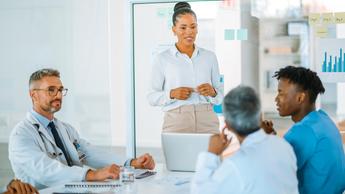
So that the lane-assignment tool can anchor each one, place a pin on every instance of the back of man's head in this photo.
(39, 74)
(305, 79)
(241, 108)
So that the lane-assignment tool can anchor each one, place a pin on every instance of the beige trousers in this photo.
(191, 119)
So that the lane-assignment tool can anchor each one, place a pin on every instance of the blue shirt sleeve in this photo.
(128, 162)
(303, 141)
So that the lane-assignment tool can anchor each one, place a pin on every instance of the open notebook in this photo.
(93, 187)
(110, 186)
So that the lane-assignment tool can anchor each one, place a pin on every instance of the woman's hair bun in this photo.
(181, 5)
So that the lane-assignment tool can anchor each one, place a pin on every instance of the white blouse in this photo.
(172, 69)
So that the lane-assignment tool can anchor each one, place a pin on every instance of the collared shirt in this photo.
(173, 69)
(263, 164)
(320, 154)
(43, 120)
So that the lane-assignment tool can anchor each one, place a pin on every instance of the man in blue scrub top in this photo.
(314, 136)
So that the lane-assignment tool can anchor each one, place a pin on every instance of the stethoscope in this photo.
(52, 154)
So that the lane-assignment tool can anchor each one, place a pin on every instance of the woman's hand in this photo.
(206, 90)
(181, 93)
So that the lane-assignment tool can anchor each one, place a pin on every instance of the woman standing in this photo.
(185, 79)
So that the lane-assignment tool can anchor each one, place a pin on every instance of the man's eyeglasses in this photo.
(52, 91)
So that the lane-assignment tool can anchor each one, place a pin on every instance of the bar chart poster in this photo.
(330, 59)
(333, 63)
(333, 58)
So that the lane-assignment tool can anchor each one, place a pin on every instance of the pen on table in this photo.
(182, 182)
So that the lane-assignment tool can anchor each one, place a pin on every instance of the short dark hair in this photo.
(182, 8)
(306, 79)
(242, 110)
(39, 74)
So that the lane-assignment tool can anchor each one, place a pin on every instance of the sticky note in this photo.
(229, 34)
(321, 31)
(327, 18)
(242, 34)
(314, 18)
(164, 12)
(339, 17)
(161, 12)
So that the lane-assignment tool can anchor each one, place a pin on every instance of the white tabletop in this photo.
(164, 181)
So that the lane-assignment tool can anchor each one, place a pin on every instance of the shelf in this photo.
(283, 55)
(332, 77)
(282, 37)
(277, 49)
(283, 19)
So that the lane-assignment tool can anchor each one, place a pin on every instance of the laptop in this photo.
(181, 150)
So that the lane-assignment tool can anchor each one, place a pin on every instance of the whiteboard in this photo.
(152, 34)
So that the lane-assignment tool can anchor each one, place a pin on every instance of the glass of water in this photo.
(127, 174)
(127, 180)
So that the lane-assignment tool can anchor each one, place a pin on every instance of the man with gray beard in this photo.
(45, 151)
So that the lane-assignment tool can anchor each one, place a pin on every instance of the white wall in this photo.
(119, 36)
(228, 52)
(152, 34)
(82, 39)
(30, 38)
(341, 86)
(238, 60)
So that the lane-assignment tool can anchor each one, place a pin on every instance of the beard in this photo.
(50, 108)
(53, 110)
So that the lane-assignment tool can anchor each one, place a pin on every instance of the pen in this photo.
(181, 182)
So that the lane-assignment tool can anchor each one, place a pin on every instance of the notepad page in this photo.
(93, 187)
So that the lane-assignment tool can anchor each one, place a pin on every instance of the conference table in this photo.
(167, 182)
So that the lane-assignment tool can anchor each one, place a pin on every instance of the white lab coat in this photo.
(37, 160)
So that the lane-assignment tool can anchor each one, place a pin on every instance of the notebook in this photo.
(93, 187)
(106, 187)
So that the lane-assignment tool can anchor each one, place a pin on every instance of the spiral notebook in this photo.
(93, 187)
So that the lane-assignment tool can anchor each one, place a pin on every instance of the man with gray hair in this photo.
(263, 164)
(45, 151)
